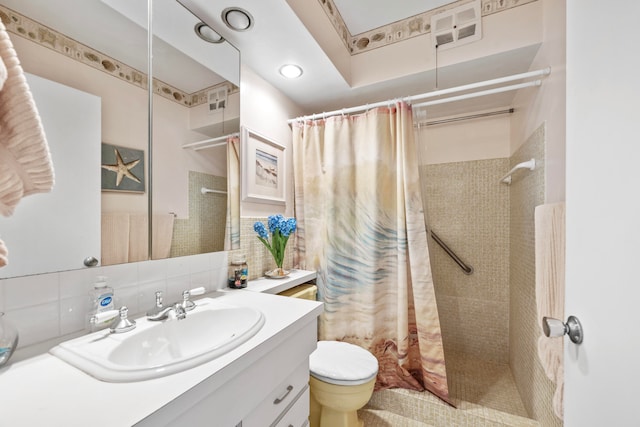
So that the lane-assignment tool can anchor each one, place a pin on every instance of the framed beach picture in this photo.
(263, 169)
(122, 169)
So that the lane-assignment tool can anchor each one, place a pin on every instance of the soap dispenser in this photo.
(101, 301)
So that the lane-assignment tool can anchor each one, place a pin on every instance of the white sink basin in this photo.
(156, 349)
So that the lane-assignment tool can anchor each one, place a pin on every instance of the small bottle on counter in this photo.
(238, 272)
(101, 300)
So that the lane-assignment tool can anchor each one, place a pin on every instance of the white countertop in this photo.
(44, 390)
(274, 286)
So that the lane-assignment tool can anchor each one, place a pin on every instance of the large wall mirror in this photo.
(90, 59)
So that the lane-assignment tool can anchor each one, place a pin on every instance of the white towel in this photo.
(115, 238)
(25, 161)
(162, 235)
(138, 237)
(3, 73)
(550, 269)
(4, 254)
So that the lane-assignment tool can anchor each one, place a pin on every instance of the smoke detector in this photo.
(456, 27)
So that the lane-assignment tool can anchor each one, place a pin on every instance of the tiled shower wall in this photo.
(491, 314)
(203, 230)
(48, 306)
(469, 210)
(527, 192)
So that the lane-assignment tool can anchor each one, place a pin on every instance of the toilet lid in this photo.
(342, 363)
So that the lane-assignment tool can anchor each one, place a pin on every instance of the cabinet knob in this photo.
(90, 261)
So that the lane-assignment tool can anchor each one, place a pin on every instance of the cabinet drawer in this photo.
(298, 415)
(280, 398)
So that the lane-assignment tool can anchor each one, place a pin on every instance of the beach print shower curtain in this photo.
(232, 227)
(361, 227)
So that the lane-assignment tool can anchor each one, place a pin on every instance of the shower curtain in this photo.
(361, 227)
(232, 227)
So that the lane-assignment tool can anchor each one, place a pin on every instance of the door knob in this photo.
(556, 328)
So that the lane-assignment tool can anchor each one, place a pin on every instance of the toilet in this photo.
(342, 379)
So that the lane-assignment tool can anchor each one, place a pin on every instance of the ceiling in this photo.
(282, 34)
(279, 36)
(364, 15)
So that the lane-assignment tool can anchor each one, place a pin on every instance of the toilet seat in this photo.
(341, 363)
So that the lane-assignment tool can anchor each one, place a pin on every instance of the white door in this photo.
(602, 375)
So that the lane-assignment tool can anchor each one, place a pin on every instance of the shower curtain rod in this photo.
(211, 142)
(471, 86)
(460, 118)
(205, 190)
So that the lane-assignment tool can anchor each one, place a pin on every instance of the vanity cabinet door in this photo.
(224, 399)
(280, 399)
(298, 415)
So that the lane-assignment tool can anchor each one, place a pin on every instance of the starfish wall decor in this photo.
(123, 168)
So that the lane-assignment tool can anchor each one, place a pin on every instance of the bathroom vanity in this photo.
(262, 382)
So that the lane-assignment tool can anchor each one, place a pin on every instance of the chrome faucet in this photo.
(179, 309)
(165, 312)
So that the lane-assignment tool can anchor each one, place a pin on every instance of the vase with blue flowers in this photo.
(281, 229)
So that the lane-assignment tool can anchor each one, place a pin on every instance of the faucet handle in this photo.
(158, 299)
(187, 304)
(104, 316)
(159, 305)
(123, 324)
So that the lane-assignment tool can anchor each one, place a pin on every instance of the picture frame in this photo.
(263, 169)
(122, 169)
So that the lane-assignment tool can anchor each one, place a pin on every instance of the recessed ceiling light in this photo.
(207, 34)
(237, 19)
(291, 71)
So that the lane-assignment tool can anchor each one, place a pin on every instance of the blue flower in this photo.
(274, 222)
(293, 224)
(280, 228)
(259, 228)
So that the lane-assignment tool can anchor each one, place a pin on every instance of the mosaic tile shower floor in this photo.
(484, 393)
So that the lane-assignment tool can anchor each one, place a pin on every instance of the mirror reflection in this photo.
(99, 54)
(191, 143)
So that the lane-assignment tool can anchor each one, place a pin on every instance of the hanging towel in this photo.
(115, 238)
(25, 161)
(3, 72)
(138, 237)
(3, 254)
(550, 268)
(162, 235)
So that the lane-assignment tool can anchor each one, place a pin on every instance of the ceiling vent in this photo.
(457, 26)
(217, 99)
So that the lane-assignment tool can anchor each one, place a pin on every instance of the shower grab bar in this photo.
(467, 269)
(529, 164)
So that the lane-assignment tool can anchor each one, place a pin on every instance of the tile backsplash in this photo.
(48, 306)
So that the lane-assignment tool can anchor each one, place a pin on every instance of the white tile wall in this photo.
(47, 306)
